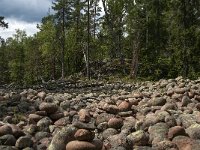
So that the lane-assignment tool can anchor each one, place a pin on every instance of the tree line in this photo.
(160, 37)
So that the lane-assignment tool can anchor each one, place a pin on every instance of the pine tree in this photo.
(184, 37)
(3, 23)
(63, 17)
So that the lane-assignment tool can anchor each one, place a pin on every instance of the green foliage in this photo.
(161, 37)
(3, 23)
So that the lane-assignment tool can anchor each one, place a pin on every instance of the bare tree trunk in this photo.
(147, 31)
(88, 41)
(53, 67)
(185, 57)
(63, 44)
(120, 33)
(95, 13)
(135, 61)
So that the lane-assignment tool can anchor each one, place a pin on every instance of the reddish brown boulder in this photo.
(138, 95)
(17, 132)
(183, 142)
(176, 131)
(5, 129)
(115, 123)
(33, 118)
(84, 135)
(50, 108)
(124, 106)
(41, 113)
(84, 115)
(62, 121)
(113, 109)
(56, 116)
(83, 145)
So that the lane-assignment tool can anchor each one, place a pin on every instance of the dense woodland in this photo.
(157, 38)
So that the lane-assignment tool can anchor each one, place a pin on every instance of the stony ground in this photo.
(161, 115)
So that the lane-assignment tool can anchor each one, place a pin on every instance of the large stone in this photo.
(183, 142)
(170, 121)
(139, 138)
(62, 137)
(16, 97)
(8, 119)
(169, 106)
(57, 116)
(17, 131)
(44, 124)
(41, 135)
(180, 90)
(83, 145)
(41, 94)
(84, 135)
(150, 120)
(5, 129)
(195, 144)
(62, 121)
(118, 140)
(137, 95)
(176, 131)
(33, 118)
(185, 101)
(50, 108)
(124, 106)
(115, 123)
(187, 120)
(113, 109)
(84, 115)
(31, 129)
(194, 131)
(165, 145)
(45, 142)
(103, 117)
(109, 132)
(81, 125)
(41, 113)
(129, 123)
(24, 142)
(102, 126)
(157, 101)
(158, 132)
(3, 147)
(8, 140)
(65, 105)
(49, 98)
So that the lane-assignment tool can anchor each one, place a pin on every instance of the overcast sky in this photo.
(23, 14)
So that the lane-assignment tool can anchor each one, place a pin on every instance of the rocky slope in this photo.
(161, 115)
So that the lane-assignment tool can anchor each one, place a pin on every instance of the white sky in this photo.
(23, 15)
(15, 21)
(14, 24)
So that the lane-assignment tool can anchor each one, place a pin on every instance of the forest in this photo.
(151, 40)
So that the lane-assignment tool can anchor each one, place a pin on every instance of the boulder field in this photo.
(162, 115)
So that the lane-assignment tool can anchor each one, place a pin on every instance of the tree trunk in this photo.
(135, 61)
(63, 44)
(111, 30)
(95, 13)
(88, 41)
(185, 57)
